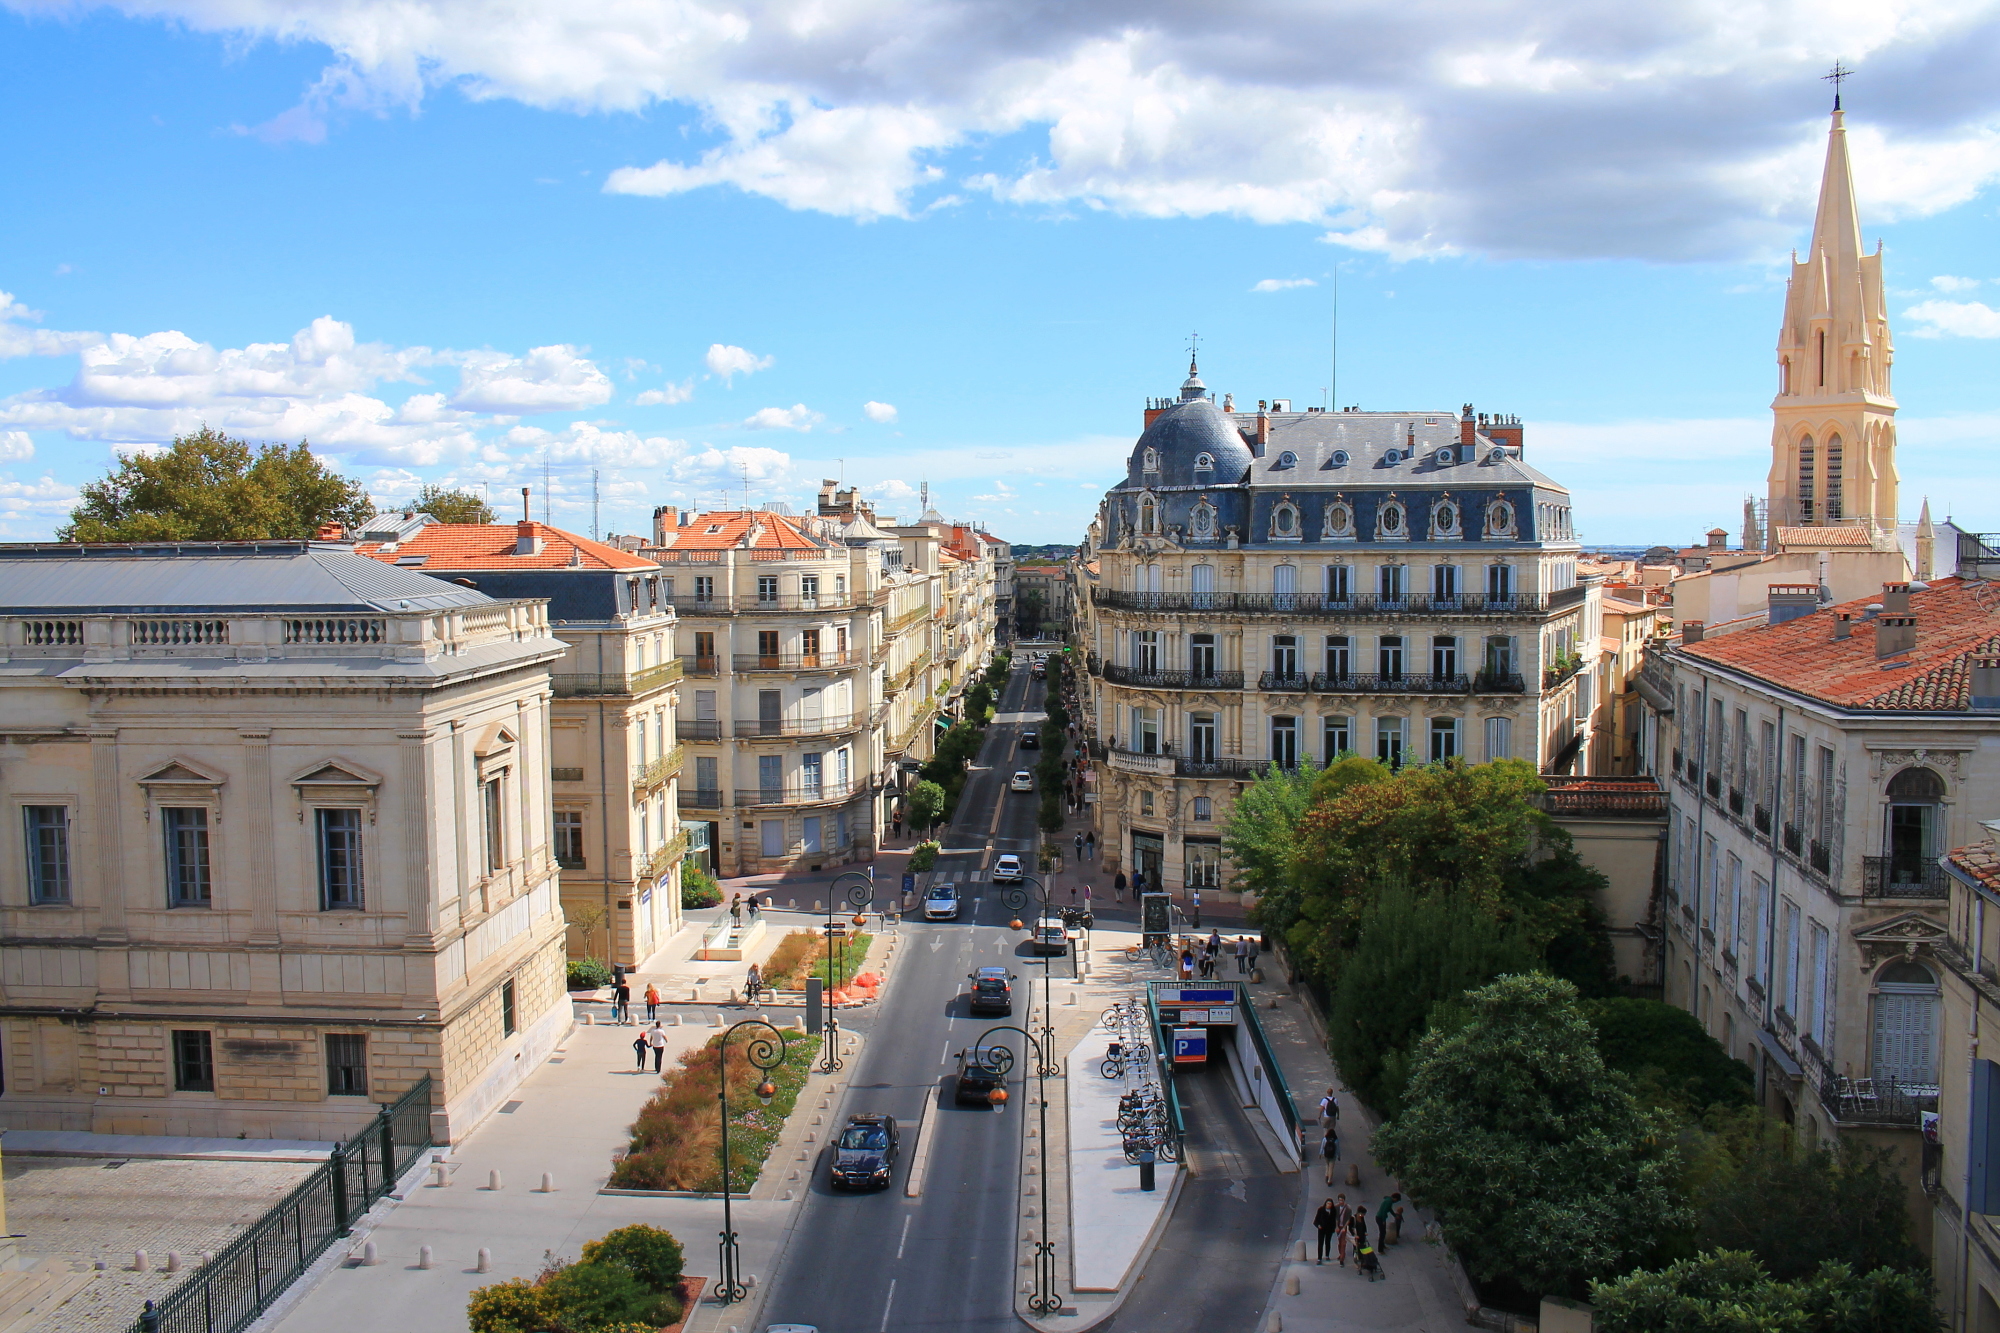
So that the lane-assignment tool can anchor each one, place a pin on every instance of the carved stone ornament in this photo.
(1886, 761)
(1905, 935)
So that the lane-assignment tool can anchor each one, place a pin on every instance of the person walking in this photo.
(752, 906)
(656, 1042)
(1357, 1228)
(1118, 886)
(1324, 1222)
(896, 825)
(621, 1003)
(1187, 964)
(639, 1053)
(1079, 846)
(736, 910)
(1242, 956)
(1090, 844)
(652, 1001)
(1329, 1110)
(1329, 1150)
(1253, 952)
(1343, 1217)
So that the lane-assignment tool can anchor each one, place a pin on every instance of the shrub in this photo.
(588, 973)
(519, 1306)
(698, 888)
(588, 1296)
(1667, 1049)
(924, 855)
(1724, 1291)
(651, 1254)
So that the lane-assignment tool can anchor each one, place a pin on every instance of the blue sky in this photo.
(457, 240)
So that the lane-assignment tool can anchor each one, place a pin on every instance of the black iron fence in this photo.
(242, 1280)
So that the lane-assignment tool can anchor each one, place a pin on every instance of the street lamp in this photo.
(765, 1053)
(1016, 897)
(859, 895)
(1045, 1299)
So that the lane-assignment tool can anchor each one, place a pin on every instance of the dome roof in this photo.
(1181, 435)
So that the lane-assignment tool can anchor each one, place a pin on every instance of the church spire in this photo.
(1833, 442)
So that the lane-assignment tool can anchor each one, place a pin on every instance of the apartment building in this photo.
(1266, 586)
(1628, 622)
(1820, 766)
(614, 748)
(1961, 1170)
(277, 841)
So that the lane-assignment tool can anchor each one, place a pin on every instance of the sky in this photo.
(704, 249)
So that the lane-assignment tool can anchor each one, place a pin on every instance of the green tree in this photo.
(1414, 952)
(1261, 839)
(1546, 1169)
(208, 487)
(650, 1253)
(978, 704)
(452, 505)
(924, 804)
(1666, 1050)
(1728, 1291)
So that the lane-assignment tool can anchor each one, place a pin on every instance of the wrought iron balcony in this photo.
(832, 661)
(1172, 680)
(1277, 604)
(575, 684)
(1903, 877)
(1295, 682)
(799, 793)
(1362, 682)
(647, 776)
(754, 727)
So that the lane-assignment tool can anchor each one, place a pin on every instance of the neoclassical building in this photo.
(1274, 585)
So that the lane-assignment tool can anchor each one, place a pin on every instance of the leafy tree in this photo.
(650, 1253)
(1546, 1169)
(1414, 952)
(1667, 1049)
(1797, 1207)
(208, 487)
(1261, 841)
(978, 703)
(924, 855)
(589, 1296)
(452, 505)
(698, 887)
(1728, 1291)
(925, 803)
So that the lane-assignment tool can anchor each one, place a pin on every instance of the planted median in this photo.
(677, 1139)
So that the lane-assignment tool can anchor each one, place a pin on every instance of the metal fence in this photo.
(243, 1279)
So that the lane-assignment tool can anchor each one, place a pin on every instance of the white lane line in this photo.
(886, 1304)
(906, 1236)
(945, 1059)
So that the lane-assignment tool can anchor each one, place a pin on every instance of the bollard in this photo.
(493, 1180)
(1299, 1251)
(367, 1254)
(140, 1263)
(750, 1281)
(589, 1019)
(1291, 1284)
(733, 998)
(485, 1264)
(817, 1121)
(789, 902)
(424, 1256)
(1277, 1324)
(715, 1020)
(173, 1261)
(548, 1183)
(438, 1175)
(694, 994)
(1354, 1173)
(763, 1018)
(677, 1019)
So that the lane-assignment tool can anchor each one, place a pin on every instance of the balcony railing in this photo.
(1866, 1101)
(1794, 841)
(1277, 604)
(753, 727)
(709, 665)
(1185, 766)
(1616, 797)
(647, 776)
(1903, 877)
(662, 859)
(1172, 680)
(1760, 819)
(746, 604)
(798, 793)
(576, 684)
(833, 661)
(1294, 682)
(701, 798)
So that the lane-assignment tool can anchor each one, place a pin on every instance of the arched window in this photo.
(1389, 521)
(1204, 810)
(1444, 518)
(1149, 516)
(1204, 462)
(1285, 460)
(1500, 519)
(1285, 521)
(1339, 458)
(1151, 462)
(1339, 520)
(1446, 456)
(1201, 523)
(1914, 825)
(1834, 509)
(1906, 1021)
(1807, 457)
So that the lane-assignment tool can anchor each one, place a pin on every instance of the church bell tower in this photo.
(1833, 436)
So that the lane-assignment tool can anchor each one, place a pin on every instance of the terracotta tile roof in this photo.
(1956, 622)
(725, 528)
(491, 546)
(1815, 536)
(1980, 862)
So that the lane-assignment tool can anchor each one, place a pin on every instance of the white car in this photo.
(1023, 781)
(1051, 936)
(1007, 870)
(941, 903)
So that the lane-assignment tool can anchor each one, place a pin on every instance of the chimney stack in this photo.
(1894, 635)
(1895, 598)
(1985, 692)
(1691, 632)
(525, 515)
(1263, 428)
(1789, 601)
(665, 520)
(1843, 626)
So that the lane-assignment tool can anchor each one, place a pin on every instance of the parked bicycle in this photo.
(1121, 1056)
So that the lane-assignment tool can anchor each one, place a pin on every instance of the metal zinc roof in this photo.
(148, 579)
(1368, 438)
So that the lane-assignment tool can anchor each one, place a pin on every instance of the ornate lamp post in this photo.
(1045, 1299)
(765, 1053)
(859, 895)
(1017, 897)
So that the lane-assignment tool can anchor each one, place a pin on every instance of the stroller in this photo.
(1369, 1263)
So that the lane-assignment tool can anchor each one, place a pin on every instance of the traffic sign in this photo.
(835, 931)
(1190, 1045)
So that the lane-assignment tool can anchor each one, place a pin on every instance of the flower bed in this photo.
(628, 1281)
(677, 1139)
(786, 968)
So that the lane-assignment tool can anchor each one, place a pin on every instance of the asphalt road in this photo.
(870, 1263)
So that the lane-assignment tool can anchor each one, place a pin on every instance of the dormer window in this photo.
(1149, 516)
(1285, 522)
(1339, 458)
(1204, 462)
(1285, 460)
(1445, 518)
(1389, 521)
(1339, 519)
(1500, 519)
(1202, 521)
(1446, 456)
(1151, 461)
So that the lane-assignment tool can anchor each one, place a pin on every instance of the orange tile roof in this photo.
(1956, 622)
(1817, 536)
(776, 532)
(1981, 862)
(491, 546)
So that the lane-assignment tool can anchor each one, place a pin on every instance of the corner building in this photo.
(1274, 585)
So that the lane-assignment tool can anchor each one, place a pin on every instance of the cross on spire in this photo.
(1194, 342)
(1836, 76)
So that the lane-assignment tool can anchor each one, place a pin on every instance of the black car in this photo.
(977, 1078)
(1030, 741)
(992, 991)
(865, 1156)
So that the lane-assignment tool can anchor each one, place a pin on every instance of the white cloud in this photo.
(1282, 284)
(44, 499)
(1947, 283)
(892, 492)
(1684, 129)
(667, 396)
(709, 467)
(18, 341)
(879, 412)
(796, 417)
(1953, 319)
(15, 446)
(547, 379)
(729, 362)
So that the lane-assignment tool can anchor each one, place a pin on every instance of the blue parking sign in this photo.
(1190, 1045)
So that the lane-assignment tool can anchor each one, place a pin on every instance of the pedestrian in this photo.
(1389, 1220)
(1187, 964)
(736, 909)
(1329, 1110)
(896, 825)
(1118, 886)
(1242, 956)
(1329, 1150)
(1343, 1217)
(1215, 941)
(753, 906)
(1357, 1227)
(1324, 1222)
(753, 984)
(656, 1042)
(1079, 846)
(1090, 844)
(652, 1001)
(639, 1052)
(621, 1003)
(1253, 953)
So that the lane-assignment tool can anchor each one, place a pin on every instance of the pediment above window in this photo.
(1907, 935)
(179, 773)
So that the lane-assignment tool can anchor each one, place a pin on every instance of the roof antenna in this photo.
(1194, 343)
(545, 491)
(746, 487)
(1333, 380)
(1836, 76)
(593, 504)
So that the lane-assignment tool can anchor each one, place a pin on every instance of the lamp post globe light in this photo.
(1044, 1299)
(859, 894)
(765, 1051)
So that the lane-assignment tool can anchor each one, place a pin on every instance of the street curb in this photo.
(920, 1161)
(1132, 1274)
